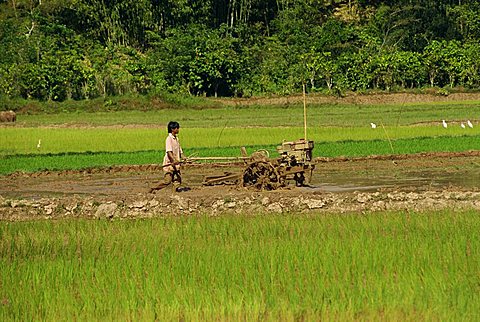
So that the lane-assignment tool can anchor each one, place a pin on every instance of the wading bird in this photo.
(470, 125)
(39, 143)
(444, 124)
(462, 125)
(373, 125)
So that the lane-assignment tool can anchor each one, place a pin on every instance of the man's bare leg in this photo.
(167, 180)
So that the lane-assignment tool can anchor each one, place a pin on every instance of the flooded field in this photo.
(337, 185)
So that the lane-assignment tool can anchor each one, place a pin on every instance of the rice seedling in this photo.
(394, 266)
(350, 148)
(105, 138)
(25, 140)
(319, 115)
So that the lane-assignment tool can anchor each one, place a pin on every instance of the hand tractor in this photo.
(263, 173)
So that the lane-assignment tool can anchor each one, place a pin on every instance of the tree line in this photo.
(81, 49)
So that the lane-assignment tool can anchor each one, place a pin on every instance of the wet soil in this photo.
(413, 182)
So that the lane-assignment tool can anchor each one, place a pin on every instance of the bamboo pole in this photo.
(218, 158)
(304, 112)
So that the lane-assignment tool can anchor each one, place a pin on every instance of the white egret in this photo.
(373, 125)
(462, 125)
(470, 125)
(39, 143)
(444, 124)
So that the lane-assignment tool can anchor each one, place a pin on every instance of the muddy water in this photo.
(406, 180)
(416, 174)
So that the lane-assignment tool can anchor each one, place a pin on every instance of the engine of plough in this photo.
(295, 163)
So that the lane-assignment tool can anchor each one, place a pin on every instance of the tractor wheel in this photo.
(261, 175)
(299, 179)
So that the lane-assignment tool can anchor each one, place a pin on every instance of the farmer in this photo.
(172, 159)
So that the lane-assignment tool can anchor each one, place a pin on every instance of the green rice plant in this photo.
(59, 140)
(400, 146)
(77, 161)
(318, 115)
(95, 138)
(377, 266)
(350, 148)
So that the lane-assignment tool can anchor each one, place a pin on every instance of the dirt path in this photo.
(419, 182)
(354, 98)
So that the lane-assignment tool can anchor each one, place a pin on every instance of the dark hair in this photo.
(172, 125)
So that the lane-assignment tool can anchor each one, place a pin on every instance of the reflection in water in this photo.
(326, 179)
(413, 180)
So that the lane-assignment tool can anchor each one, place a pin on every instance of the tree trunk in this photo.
(14, 5)
(329, 82)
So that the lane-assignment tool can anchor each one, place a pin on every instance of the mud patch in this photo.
(419, 182)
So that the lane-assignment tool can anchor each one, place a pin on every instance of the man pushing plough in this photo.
(172, 160)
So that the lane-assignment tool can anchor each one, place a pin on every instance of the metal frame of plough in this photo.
(264, 173)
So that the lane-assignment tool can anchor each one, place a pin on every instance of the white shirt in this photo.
(172, 145)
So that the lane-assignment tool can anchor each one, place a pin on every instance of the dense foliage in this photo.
(80, 49)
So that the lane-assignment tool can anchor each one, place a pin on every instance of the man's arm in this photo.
(171, 158)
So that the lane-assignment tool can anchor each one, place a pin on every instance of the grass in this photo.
(106, 104)
(59, 140)
(351, 148)
(84, 139)
(388, 266)
(327, 115)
